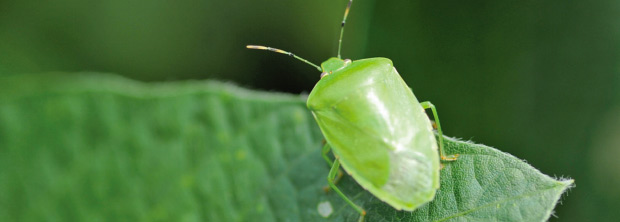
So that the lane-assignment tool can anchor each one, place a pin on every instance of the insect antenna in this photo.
(344, 20)
(283, 52)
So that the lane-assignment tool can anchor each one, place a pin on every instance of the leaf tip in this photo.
(568, 183)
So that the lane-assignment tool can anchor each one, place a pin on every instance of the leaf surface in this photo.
(93, 147)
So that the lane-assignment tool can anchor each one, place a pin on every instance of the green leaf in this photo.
(92, 147)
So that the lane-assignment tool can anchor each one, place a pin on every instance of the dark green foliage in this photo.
(89, 147)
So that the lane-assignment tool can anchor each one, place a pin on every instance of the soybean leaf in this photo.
(484, 184)
(94, 147)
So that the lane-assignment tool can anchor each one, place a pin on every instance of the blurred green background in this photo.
(537, 79)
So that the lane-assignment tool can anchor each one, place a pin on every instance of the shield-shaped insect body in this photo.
(378, 130)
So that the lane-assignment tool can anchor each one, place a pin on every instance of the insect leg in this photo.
(330, 179)
(325, 151)
(429, 105)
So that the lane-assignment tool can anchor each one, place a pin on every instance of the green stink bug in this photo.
(376, 128)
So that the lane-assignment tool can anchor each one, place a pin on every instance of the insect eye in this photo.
(324, 74)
